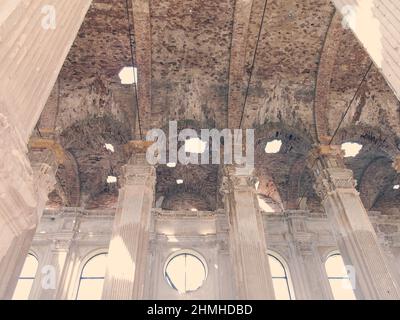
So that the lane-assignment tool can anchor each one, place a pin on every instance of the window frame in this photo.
(327, 257)
(83, 264)
(286, 270)
(178, 253)
(34, 255)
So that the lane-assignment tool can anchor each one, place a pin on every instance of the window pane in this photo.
(23, 289)
(338, 278)
(27, 277)
(92, 278)
(90, 289)
(96, 267)
(335, 266)
(280, 280)
(185, 272)
(281, 289)
(341, 289)
(277, 269)
(195, 273)
(175, 273)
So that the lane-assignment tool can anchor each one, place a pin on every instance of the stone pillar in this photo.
(354, 233)
(48, 278)
(12, 263)
(248, 247)
(308, 271)
(32, 53)
(36, 36)
(44, 168)
(128, 251)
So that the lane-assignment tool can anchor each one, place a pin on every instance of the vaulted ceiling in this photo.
(287, 68)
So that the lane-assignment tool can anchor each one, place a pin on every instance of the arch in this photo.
(296, 145)
(338, 277)
(91, 276)
(385, 143)
(376, 178)
(200, 180)
(26, 278)
(325, 71)
(281, 278)
(68, 182)
(295, 175)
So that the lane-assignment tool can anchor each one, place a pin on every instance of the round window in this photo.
(185, 271)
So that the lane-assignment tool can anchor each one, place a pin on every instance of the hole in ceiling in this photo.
(351, 149)
(171, 164)
(273, 146)
(111, 179)
(128, 75)
(195, 145)
(109, 147)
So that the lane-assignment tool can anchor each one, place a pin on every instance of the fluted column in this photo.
(32, 53)
(51, 268)
(35, 38)
(248, 247)
(354, 233)
(128, 252)
(308, 272)
(44, 169)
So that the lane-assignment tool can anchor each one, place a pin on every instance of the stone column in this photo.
(308, 272)
(354, 233)
(128, 251)
(50, 270)
(12, 263)
(248, 247)
(32, 53)
(36, 36)
(44, 169)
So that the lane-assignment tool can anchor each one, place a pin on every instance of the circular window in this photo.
(185, 271)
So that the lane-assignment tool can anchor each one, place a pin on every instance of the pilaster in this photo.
(354, 233)
(309, 276)
(248, 246)
(128, 251)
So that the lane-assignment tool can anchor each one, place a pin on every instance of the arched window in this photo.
(338, 278)
(25, 282)
(280, 279)
(92, 278)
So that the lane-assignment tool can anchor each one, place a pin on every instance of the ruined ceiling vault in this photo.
(282, 67)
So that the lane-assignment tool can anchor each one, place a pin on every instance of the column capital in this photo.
(37, 145)
(327, 164)
(137, 171)
(237, 178)
(326, 156)
(144, 175)
(135, 150)
(332, 179)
